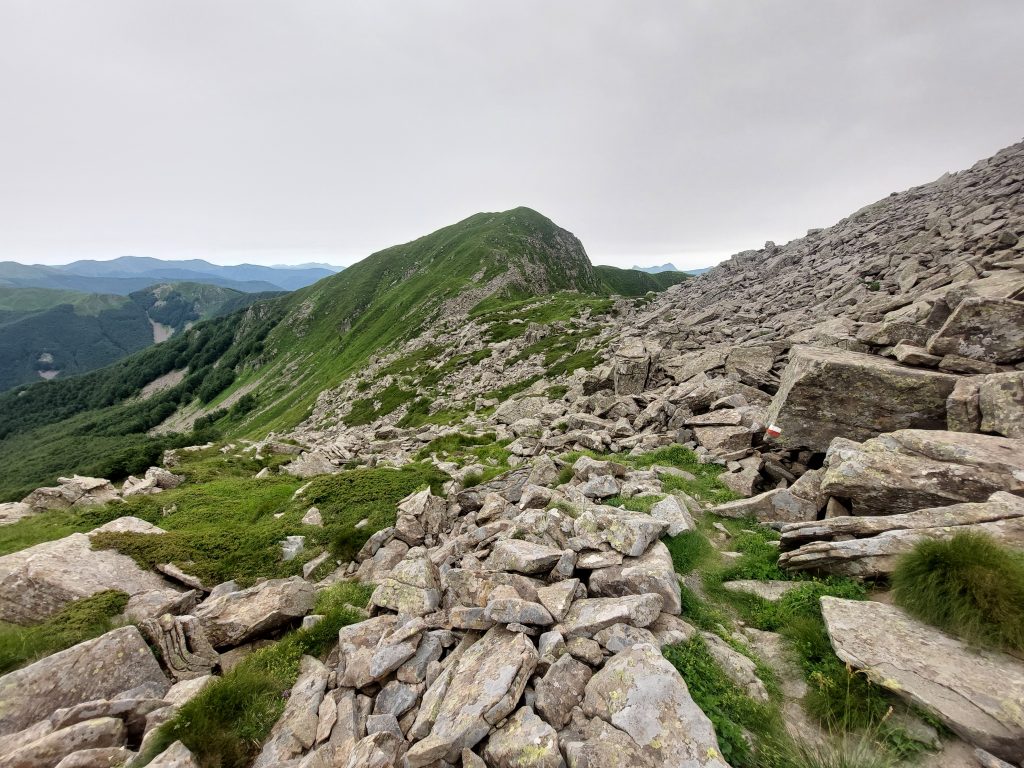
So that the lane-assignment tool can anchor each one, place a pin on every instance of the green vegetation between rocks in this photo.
(968, 585)
(227, 722)
(225, 524)
(76, 623)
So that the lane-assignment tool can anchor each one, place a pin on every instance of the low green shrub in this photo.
(968, 585)
(76, 623)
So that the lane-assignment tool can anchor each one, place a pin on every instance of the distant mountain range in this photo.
(128, 274)
(666, 267)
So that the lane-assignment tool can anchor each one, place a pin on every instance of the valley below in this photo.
(477, 502)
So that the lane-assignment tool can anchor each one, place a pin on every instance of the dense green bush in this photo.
(968, 585)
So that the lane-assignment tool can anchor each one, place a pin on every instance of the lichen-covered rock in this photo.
(522, 556)
(590, 615)
(828, 393)
(1001, 402)
(978, 694)
(411, 588)
(52, 748)
(988, 329)
(639, 692)
(561, 689)
(914, 469)
(96, 669)
(524, 741)
(247, 614)
(481, 690)
(651, 572)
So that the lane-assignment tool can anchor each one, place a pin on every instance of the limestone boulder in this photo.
(978, 694)
(631, 367)
(75, 491)
(512, 411)
(561, 689)
(48, 751)
(826, 393)
(639, 692)
(100, 668)
(238, 617)
(916, 469)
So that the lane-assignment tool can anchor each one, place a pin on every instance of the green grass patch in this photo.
(227, 722)
(732, 712)
(77, 622)
(504, 393)
(968, 585)
(636, 503)
(455, 444)
(368, 409)
(689, 550)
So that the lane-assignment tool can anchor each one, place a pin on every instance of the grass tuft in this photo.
(76, 623)
(968, 585)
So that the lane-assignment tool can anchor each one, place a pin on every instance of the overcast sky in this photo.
(655, 130)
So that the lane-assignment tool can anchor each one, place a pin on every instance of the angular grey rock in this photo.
(522, 556)
(412, 587)
(295, 731)
(737, 667)
(75, 491)
(184, 648)
(639, 692)
(175, 756)
(652, 572)
(774, 506)
(599, 487)
(674, 513)
(238, 617)
(378, 750)
(561, 689)
(512, 411)
(1001, 401)
(524, 741)
(827, 393)
(914, 469)
(978, 694)
(483, 688)
(96, 669)
(963, 406)
(631, 367)
(590, 615)
(98, 757)
(870, 547)
(772, 591)
(983, 329)
(54, 747)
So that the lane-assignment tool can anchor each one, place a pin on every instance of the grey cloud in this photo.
(655, 130)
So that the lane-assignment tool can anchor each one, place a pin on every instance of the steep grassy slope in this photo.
(46, 332)
(334, 327)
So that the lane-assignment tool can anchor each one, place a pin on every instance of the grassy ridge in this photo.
(635, 282)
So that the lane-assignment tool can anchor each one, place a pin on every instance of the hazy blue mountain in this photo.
(198, 270)
(17, 275)
(666, 267)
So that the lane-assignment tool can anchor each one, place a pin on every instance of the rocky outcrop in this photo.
(73, 491)
(978, 694)
(915, 469)
(869, 547)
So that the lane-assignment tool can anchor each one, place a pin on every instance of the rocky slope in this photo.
(859, 391)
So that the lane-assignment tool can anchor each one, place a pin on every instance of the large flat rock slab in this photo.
(826, 393)
(869, 547)
(979, 694)
(39, 581)
(96, 669)
(916, 469)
